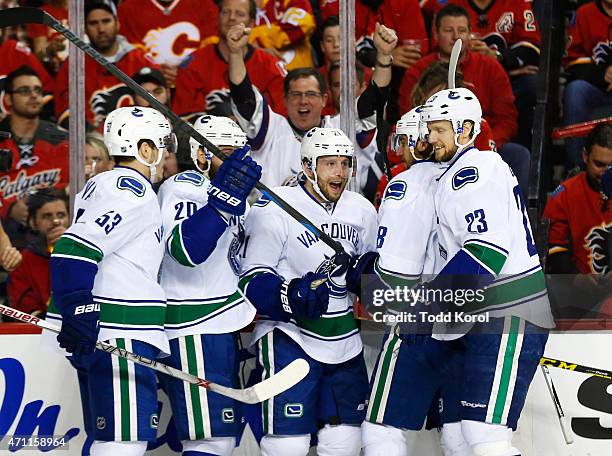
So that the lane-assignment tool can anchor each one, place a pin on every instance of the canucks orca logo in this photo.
(465, 176)
(233, 253)
(597, 244)
(333, 271)
(453, 95)
(395, 190)
(190, 177)
(132, 184)
(263, 201)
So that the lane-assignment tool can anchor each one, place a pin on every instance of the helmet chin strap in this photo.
(153, 177)
(315, 185)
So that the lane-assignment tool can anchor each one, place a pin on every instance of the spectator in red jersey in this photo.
(169, 30)
(103, 91)
(580, 217)
(202, 81)
(506, 30)
(487, 78)
(29, 286)
(15, 54)
(50, 46)
(284, 28)
(580, 214)
(10, 257)
(588, 63)
(37, 150)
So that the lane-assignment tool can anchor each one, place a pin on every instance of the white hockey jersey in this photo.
(407, 240)
(117, 224)
(481, 210)
(275, 145)
(204, 298)
(279, 244)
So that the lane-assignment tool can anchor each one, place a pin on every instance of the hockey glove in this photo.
(353, 266)
(235, 178)
(306, 297)
(80, 323)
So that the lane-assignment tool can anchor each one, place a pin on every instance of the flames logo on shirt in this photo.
(602, 53)
(597, 244)
(103, 101)
(172, 44)
(505, 24)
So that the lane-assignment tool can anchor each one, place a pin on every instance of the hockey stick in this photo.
(565, 428)
(260, 392)
(28, 15)
(452, 64)
(578, 129)
(576, 367)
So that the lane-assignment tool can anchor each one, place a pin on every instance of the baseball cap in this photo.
(107, 5)
(148, 74)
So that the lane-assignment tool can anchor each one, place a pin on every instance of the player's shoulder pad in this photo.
(396, 189)
(284, 192)
(358, 201)
(132, 184)
(475, 168)
(190, 178)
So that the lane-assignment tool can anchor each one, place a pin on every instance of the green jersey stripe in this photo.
(132, 315)
(125, 394)
(70, 247)
(329, 327)
(180, 313)
(394, 280)
(507, 368)
(192, 368)
(379, 387)
(492, 259)
(177, 249)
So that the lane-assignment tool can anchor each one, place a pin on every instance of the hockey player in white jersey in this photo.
(203, 236)
(302, 318)
(484, 234)
(412, 367)
(275, 139)
(104, 284)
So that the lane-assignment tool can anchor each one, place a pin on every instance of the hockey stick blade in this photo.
(24, 15)
(565, 426)
(276, 384)
(452, 64)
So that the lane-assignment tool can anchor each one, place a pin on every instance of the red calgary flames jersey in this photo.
(42, 163)
(590, 36)
(103, 91)
(168, 33)
(579, 221)
(203, 80)
(503, 24)
(404, 16)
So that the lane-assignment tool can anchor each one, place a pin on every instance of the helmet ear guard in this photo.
(457, 106)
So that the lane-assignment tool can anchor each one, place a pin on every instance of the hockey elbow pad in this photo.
(200, 233)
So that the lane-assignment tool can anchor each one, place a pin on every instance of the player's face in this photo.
(332, 176)
(330, 43)
(451, 29)
(232, 12)
(160, 93)
(26, 99)
(101, 28)
(597, 162)
(215, 161)
(49, 216)
(442, 138)
(305, 102)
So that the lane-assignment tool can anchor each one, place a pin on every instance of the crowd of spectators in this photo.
(283, 79)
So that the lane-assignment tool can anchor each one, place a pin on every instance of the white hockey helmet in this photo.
(409, 129)
(457, 106)
(221, 131)
(324, 142)
(125, 127)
